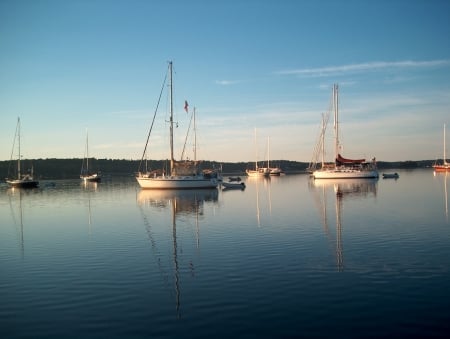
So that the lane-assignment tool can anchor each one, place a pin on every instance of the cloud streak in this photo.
(364, 67)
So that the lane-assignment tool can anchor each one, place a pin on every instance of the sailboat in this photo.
(445, 166)
(183, 174)
(21, 180)
(258, 171)
(85, 175)
(275, 171)
(344, 168)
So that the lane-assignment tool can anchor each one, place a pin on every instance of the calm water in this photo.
(287, 257)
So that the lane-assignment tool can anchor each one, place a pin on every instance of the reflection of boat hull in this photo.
(176, 182)
(188, 195)
(345, 174)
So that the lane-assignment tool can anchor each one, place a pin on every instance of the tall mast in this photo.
(87, 152)
(336, 120)
(171, 120)
(195, 139)
(18, 158)
(445, 159)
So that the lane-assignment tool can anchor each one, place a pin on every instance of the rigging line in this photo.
(153, 121)
(187, 135)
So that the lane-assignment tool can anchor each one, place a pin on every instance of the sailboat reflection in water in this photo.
(183, 206)
(342, 189)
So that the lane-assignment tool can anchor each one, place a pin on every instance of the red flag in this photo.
(186, 106)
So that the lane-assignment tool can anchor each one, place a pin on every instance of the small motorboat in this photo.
(390, 175)
(235, 185)
(234, 179)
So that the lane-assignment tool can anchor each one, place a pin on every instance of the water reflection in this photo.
(15, 203)
(179, 203)
(444, 176)
(342, 189)
(257, 182)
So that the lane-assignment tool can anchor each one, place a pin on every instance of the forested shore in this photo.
(70, 168)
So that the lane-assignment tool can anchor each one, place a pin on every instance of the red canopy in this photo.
(341, 160)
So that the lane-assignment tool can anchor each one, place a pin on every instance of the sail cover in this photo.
(343, 161)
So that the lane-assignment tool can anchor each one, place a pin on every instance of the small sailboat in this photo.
(344, 168)
(184, 174)
(445, 166)
(85, 174)
(258, 171)
(21, 180)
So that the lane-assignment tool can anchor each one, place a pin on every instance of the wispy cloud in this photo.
(227, 82)
(363, 67)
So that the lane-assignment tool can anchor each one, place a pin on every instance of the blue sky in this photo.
(267, 65)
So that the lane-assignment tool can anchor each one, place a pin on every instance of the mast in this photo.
(87, 152)
(18, 158)
(445, 159)
(171, 120)
(336, 121)
(195, 139)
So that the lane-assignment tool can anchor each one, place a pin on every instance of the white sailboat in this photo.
(85, 175)
(344, 168)
(183, 174)
(258, 171)
(21, 180)
(445, 166)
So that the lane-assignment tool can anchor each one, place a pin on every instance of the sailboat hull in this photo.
(19, 183)
(442, 168)
(176, 182)
(344, 174)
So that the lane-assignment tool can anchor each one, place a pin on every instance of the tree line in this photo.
(70, 168)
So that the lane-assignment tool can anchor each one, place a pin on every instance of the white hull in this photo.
(344, 174)
(176, 182)
(262, 172)
(91, 178)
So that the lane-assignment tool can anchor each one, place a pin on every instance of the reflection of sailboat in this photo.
(181, 203)
(21, 180)
(344, 168)
(343, 189)
(12, 192)
(445, 176)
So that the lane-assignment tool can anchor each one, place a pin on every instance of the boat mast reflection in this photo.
(342, 189)
(445, 176)
(180, 203)
(18, 222)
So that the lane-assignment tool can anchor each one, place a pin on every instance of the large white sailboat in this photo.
(344, 168)
(445, 166)
(21, 180)
(184, 174)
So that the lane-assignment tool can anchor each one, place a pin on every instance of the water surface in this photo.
(286, 257)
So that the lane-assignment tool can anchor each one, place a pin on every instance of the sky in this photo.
(259, 74)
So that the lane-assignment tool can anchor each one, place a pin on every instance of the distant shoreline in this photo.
(70, 168)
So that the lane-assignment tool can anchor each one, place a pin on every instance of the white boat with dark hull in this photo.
(21, 180)
(390, 175)
(233, 185)
(184, 174)
(344, 168)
